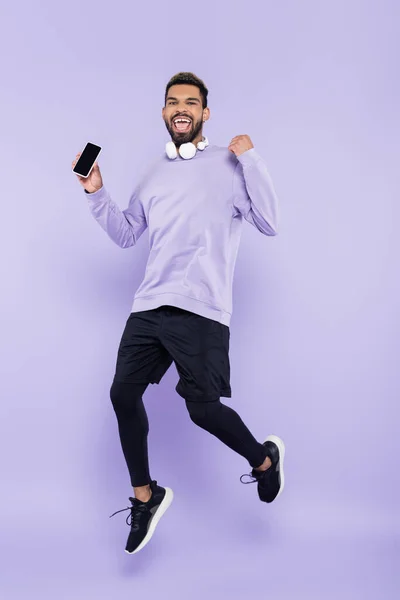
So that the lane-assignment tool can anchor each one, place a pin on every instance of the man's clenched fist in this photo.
(240, 144)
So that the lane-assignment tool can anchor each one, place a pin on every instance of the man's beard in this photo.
(184, 138)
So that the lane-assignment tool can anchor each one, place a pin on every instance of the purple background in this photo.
(315, 332)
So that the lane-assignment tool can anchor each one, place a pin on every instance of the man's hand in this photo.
(92, 183)
(240, 144)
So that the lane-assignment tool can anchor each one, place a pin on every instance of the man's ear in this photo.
(206, 114)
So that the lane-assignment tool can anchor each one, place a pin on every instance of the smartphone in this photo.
(87, 159)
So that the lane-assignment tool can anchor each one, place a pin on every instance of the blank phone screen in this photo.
(86, 160)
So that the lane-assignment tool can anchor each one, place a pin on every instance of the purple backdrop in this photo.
(315, 331)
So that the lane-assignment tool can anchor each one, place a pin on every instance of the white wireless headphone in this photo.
(185, 150)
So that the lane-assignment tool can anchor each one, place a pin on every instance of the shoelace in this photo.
(137, 510)
(252, 478)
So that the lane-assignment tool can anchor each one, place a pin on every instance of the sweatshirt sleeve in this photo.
(124, 227)
(254, 196)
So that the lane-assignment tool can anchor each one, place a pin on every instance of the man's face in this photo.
(183, 113)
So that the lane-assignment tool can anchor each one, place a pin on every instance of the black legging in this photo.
(215, 417)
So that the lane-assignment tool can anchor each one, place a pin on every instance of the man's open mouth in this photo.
(182, 124)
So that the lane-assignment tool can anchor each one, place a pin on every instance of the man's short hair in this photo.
(188, 79)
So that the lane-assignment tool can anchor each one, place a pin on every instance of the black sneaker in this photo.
(144, 516)
(271, 481)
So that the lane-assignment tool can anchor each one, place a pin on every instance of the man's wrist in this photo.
(249, 157)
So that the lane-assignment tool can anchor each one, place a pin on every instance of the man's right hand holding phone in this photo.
(94, 181)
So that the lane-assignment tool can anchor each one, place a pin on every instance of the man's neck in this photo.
(196, 140)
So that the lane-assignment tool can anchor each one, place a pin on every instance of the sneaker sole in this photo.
(169, 495)
(281, 447)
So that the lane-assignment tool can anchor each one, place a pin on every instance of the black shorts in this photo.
(199, 347)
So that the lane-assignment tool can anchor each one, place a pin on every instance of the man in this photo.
(193, 200)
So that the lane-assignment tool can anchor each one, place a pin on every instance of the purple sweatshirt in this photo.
(194, 210)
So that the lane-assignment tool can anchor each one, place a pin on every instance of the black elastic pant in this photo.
(215, 417)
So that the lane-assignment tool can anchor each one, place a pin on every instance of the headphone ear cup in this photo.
(187, 150)
(170, 150)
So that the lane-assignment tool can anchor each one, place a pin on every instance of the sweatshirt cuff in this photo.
(250, 157)
(96, 195)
